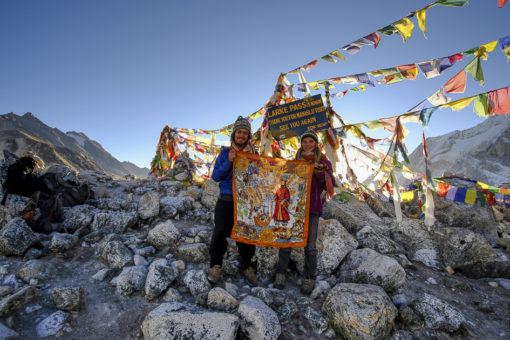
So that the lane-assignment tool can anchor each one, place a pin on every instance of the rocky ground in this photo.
(133, 265)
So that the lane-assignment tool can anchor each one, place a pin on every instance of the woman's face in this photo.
(308, 144)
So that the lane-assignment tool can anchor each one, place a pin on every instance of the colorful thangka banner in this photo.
(271, 200)
(293, 119)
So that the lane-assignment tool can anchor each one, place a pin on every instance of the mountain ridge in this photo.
(74, 149)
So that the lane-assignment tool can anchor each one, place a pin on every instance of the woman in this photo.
(322, 180)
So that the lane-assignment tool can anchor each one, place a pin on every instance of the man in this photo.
(224, 211)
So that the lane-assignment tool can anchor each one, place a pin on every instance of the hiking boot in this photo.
(249, 274)
(279, 281)
(215, 274)
(308, 286)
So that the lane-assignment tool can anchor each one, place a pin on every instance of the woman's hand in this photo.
(231, 154)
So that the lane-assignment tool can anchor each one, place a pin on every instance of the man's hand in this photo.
(231, 154)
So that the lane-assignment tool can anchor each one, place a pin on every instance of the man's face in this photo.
(241, 136)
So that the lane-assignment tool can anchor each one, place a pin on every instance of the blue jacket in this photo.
(222, 172)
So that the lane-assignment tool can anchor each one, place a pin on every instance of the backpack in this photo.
(71, 193)
(42, 210)
(18, 178)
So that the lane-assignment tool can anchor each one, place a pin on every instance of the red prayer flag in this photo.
(404, 68)
(374, 37)
(455, 57)
(442, 189)
(501, 3)
(499, 101)
(457, 84)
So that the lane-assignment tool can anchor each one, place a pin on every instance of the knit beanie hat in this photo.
(311, 134)
(241, 123)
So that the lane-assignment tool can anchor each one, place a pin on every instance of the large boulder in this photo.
(258, 321)
(52, 325)
(10, 303)
(159, 278)
(163, 235)
(359, 311)
(334, 242)
(368, 266)
(116, 222)
(148, 206)
(78, 217)
(210, 194)
(218, 298)
(353, 215)
(473, 217)
(197, 283)
(175, 320)
(377, 238)
(417, 241)
(16, 237)
(112, 251)
(61, 242)
(470, 253)
(438, 314)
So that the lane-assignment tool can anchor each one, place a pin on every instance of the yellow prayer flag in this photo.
(470, 197)
(459, 104)
(376, 74)
(354, 129)
(313, 85)
(481, 185)
(338, 55)
(489, 47)
(407, 196)
(421, 14)
(405, 28)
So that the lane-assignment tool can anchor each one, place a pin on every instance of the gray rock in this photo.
(218, 298)
(148, 206)
(287, 311)
(160, 276)
(315, 320)
(174, 320)
(470, 253)
(267, 258)
(140, 260)
(36, 269)
(131, 280)
(438, 314)
(52, 324)
(7, 333)
(258, 321)
(181, 204)
(263, 294)
(194, 253)
(353, 215)
(172, 188)
(62, 242)
(12, 302)
(145, 251)
(377, 240)
(33, 254)
(418, 242)
(112, 251)
(231, 289)
(368, 266)
(16, 237)
(505, 283)
(172, 295)
(359, 311)
(210, 194)
(193, 192)
(163, 235)
(78, 217)
(320, 288)
(116, 222)
(102, 274)
(474, 217)
(197, 283)
(68, 298)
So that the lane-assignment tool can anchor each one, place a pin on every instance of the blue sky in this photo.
(120, 70)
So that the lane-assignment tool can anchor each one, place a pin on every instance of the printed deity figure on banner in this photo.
(271, 200)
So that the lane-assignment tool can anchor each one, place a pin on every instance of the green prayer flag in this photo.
(475, 69)
(480, 105)
(373, 124)
(481, 198)
(388, 30)
(329, 58)
(471, 51)
(397, 77)
(451, 3)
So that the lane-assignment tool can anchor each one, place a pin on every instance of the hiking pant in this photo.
(223, 223)
(310, 270)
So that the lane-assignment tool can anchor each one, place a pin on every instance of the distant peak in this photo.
(29, 115)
